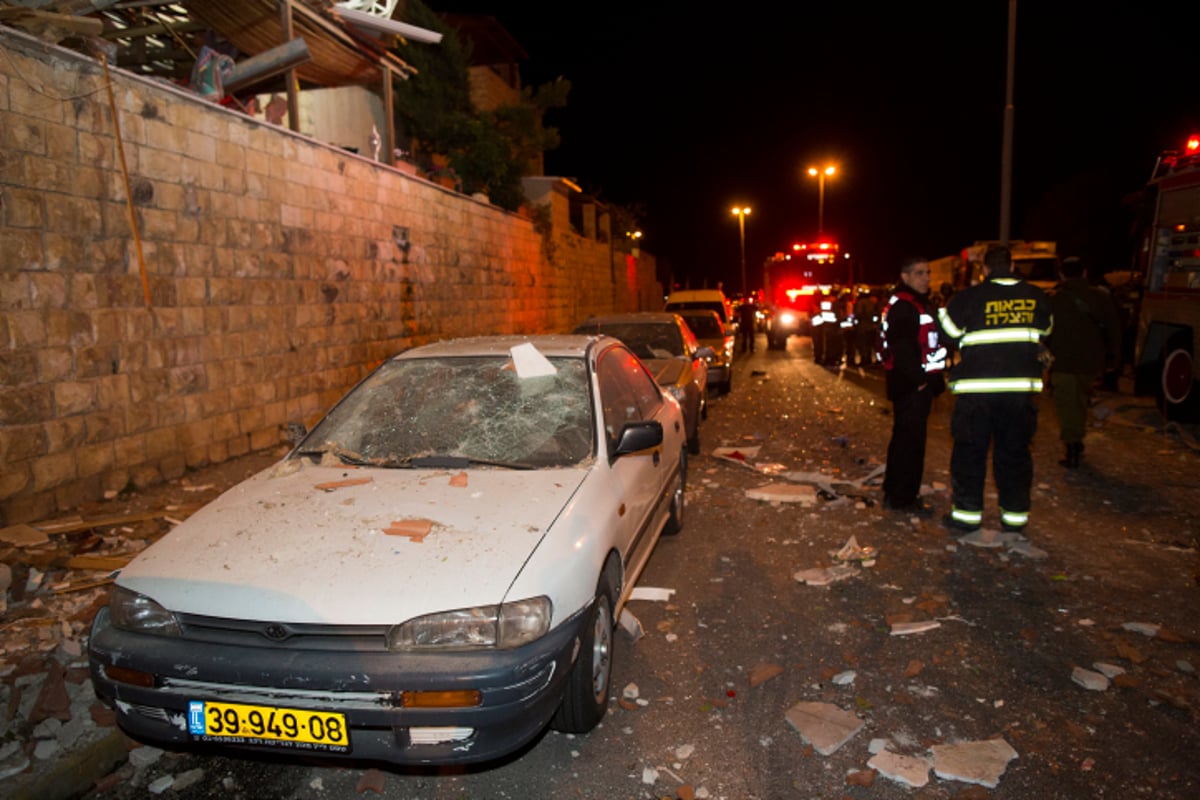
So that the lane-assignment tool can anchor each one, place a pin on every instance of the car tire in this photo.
(1178, 392)
(678, 499)
(693, 442)
(585, 699)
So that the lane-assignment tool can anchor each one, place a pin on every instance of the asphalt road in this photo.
(1118, 541)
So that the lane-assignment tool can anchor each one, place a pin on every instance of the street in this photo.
(700, 702)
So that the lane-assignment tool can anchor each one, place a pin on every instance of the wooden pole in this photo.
(133, 223)
(293, 100)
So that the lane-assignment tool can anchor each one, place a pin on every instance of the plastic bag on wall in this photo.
(209, 73)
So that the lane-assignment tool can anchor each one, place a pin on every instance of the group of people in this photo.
(1005, 335)
(846, 327)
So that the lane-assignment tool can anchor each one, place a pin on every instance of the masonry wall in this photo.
(280, 271)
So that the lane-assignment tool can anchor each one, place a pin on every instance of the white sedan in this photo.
(431, 576)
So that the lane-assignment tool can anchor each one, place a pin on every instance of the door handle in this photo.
(657, 457)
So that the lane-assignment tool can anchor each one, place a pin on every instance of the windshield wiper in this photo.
(344, 455)
(447, 461)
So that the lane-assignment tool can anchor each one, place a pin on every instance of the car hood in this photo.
(667, 371)
(307, 544)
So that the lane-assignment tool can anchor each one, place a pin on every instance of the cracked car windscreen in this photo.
(470, 407)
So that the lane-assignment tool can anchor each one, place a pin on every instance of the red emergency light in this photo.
(1193, 145)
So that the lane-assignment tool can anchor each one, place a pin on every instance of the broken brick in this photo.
(52, 702)
(371, 781)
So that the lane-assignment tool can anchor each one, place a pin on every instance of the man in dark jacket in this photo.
(913, 361)
(999, 325)
(1086, 338)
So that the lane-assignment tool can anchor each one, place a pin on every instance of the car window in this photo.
(627, 392)
(474, 407)
(687, 305)
(705, 326)
(645, 339)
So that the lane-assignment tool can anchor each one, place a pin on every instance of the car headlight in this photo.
(787, 319)
(504, 626)
(137, 613)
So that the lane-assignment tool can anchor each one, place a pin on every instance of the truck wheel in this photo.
(1178, 394)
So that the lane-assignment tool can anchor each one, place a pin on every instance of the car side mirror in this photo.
(705, 352)
(639, 436)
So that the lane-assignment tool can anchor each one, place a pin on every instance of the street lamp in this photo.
(819, 174)
(740, 212)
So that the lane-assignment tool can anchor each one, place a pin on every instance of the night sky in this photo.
(684, 110)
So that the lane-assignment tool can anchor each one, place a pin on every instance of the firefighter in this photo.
(846, 325)
(824, 329)
(866, 317)
(913, 363)
(999, 325)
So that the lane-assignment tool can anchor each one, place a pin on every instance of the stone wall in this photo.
(280, 270)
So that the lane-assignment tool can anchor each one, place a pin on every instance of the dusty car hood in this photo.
(277, 547)
(666, 371)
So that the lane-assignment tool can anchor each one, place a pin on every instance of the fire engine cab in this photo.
(1168, 335)
(793, 284)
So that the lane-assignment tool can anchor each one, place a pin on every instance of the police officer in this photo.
(999, 325)
(913, 363)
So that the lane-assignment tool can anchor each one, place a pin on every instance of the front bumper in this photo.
(521, 689)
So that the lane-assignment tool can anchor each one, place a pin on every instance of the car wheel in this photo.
(585, 699)
(693, 442)
(1177, 390)
(675, 520)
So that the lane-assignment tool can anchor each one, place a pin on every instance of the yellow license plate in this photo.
(235, 723)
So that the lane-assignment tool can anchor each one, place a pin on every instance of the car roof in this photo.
(684, 295)
(548, 345)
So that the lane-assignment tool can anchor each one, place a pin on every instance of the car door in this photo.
(629, 394)
(699, 367)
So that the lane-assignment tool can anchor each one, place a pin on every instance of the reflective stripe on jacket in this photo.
(933, 354)
(999, 325)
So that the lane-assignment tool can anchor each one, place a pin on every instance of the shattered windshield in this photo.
(461, 411)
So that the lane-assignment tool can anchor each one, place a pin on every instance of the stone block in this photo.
(14, 478)
(68, 328)
(74, 397)
(130, 449)
(53, 470)
(22, 442)
(94, 459)
(24, 208)
(65, 433)
(20, 249)
(18, 368)
(26, 405)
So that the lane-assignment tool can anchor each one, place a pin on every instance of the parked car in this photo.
(670, 351)
(708, 299)
(431, 576)
(711, 332)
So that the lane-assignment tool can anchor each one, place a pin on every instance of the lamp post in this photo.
(740, 212)
(819, 174)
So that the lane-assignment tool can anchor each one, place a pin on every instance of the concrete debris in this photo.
(630, 692)
(906, 628)
(23, 536)
(160, 785)
(877, 746)
(651, 593)
(909, 770)
(852, 551)
(684, 751)
(982, 762)
(631, 624)
(1109, 671)
(649, 776)
(186, 779)
(784, 493)
(1185, 667)
(1093, 681)
(1147, 629)
(142, 757)
(761, 673)
(823, 725)
(845, 678)
(823, 576)
(1011, 542)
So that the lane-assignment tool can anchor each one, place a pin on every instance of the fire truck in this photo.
(1168, 258)
(793, 285)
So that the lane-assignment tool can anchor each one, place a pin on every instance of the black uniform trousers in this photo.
(1007, 422)
(906, 450)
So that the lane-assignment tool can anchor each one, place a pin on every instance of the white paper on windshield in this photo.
(530, 363)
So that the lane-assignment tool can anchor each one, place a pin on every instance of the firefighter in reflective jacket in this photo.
(825, 330)
(999, 325)
(913, 362)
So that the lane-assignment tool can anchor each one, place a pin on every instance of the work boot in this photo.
(1073, 454)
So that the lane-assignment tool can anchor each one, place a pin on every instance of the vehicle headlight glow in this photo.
(504, 626)
(137, 613)
(787, 319)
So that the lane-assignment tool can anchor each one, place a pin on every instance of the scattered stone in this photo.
(1147, 629)
(980, 762)
(142, 757)
(684, 751)
(860, 777)
(907, 628)
(784, 493)
(649, 776)
(823, 576)
(1088, 679)
(186, 779)
(1185, 666)
(371, 781)
(914, 668)
(630, 692)
(909, 770)
(70, 732)
(160, 785)
(877, 746)
(631, 624)
(52, 700)
(23, 536)
(823, 725)
(761, 673)
(46, 748)
(1028, 550)
(317, 785)
(13, 765)
(845, 678)
(1109, 671)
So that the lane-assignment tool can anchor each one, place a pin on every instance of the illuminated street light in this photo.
(820, 174)
(740, 212)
